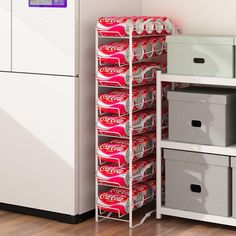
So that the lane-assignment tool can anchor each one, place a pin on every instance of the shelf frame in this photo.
(199, 216)
(167, 144)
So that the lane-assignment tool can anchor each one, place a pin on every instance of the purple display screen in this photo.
(48, 3)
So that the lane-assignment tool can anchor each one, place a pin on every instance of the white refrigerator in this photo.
(47, 108)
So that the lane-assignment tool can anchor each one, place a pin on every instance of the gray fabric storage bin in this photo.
(233, 165)
(203, 115)
(198, 182)
(201, 55)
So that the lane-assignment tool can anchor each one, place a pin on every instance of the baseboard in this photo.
(68, 219)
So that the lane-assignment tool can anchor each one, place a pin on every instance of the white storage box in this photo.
(203, 115)
(201, 55)
(198, 182)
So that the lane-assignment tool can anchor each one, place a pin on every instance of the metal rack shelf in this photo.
(128, 137)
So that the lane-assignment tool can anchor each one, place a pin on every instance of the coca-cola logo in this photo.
(112, 97)
(120, 191)
(112, 197)
(110, 20)
(112, 48)
(111, 170)
(111, 120)
(112, 70)
(112, 148)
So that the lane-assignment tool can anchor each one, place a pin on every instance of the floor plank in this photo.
(12, 224)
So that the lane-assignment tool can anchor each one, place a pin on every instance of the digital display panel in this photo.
(48, 3)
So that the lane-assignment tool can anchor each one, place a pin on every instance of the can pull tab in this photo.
(196, 123)
(199, 60)
(195, 188)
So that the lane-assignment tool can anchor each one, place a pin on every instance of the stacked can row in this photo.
(139, 25)
(111, 174)
(117, 150)
(118, 76)
(116, 200)
(118, 53)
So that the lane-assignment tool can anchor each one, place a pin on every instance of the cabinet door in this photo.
(37, 145)
(5, 38)
(44, 38)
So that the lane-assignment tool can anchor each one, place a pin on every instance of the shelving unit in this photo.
(100, 215)
(167, 144)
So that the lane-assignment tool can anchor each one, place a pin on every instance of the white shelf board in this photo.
(228, 151)
(198, 216)
(198, 80)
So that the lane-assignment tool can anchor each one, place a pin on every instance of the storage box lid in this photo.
(210, 95)
(201, 39)
(196, 157)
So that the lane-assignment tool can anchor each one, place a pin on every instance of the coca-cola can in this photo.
(147, 168)
(117, 102)
(147, 144)
(149, 120)
(152, 136)
(137, 196)
(116, 75)
(153, 184)
(136, 97)
(147, 95)
(146, 191)
(115, 26)
(137, 148)
(164, 25)
(158, 46)
(148, 72)
(115, 53)
(115, 203)
(118, 126)
(118, 176)
(114, 153)
(147, 48)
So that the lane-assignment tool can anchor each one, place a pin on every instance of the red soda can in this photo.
(152, 136)
(116, 75)
(153, 184)
(137, 148)
(137, 196)
(118, 176)
(146, 191)
(115, 203)
(115, 53)
(146, 47)
(158, 46)
(144, 25)
(118, 126)
(115, 26)
(136, 97)
(114, 153)
(147, 144)
(148, 72)
(163, 25)
(117, 102)
(147, 168)
(147, 95)
(149, 120)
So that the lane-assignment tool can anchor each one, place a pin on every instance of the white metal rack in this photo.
(166, 144)
(100, 215)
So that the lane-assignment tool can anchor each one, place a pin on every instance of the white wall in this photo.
(197, 16)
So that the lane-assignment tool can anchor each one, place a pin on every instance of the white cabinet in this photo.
(44, 39)
(37, 142)
(5, 38)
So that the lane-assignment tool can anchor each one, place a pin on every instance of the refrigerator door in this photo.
(38, 166)
(44, 37)
(5, 38)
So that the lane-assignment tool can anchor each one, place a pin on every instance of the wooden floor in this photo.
(20, 225)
